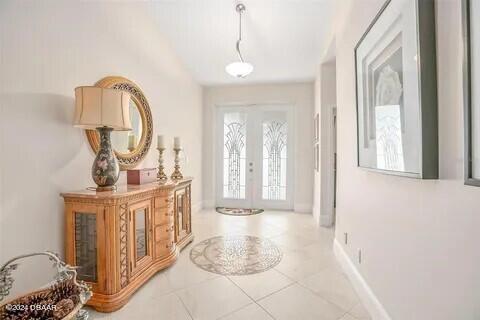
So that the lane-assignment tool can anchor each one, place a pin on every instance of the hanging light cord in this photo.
(240, 8)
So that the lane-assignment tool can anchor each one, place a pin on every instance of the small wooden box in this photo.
(141, 176)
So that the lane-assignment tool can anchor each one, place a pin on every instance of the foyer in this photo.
(240, 159)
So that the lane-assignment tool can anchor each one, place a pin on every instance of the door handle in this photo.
(251, 170)
(250, 164)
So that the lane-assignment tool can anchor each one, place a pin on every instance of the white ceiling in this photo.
(283, 39)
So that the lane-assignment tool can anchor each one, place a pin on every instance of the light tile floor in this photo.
(306, 284)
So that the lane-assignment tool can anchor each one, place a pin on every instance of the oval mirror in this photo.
(125, 142)
(129, 146)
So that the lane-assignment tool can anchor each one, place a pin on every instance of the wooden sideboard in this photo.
(120, 239)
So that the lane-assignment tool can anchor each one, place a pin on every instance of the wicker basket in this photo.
(64, 297)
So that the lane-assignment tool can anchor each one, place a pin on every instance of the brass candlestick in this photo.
(177, 175)
(161, 175)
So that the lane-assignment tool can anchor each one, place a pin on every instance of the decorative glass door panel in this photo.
(274, 180)
(140, 233)
(140, 236)
(256, 160)
(182, 205)
(86, 246)
(234, 155)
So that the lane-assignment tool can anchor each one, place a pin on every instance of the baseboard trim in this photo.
(297, 207)
(197, 206)
(326, 220)
(208, 204)
(303, 207)
(365, 293)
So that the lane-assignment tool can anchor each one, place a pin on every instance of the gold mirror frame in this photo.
(128, 160)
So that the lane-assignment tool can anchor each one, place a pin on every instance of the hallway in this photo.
(346, 132)
(306, 284)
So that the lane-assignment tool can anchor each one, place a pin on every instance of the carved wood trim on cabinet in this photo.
(123, 244)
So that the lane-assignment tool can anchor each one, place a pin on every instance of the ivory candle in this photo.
(132, 141)
(176, 142)
(160, 142)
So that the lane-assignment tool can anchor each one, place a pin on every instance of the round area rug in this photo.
(238, 211)
(236, 255)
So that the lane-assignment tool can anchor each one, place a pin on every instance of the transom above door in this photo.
(255, 157)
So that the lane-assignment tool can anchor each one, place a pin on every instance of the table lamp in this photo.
(105, 110)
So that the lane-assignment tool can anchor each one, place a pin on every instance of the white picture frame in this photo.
(395, 86)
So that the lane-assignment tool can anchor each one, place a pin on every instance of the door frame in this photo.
(256, 200)
(328, 143)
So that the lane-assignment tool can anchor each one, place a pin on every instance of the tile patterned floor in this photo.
(307, 284)
(236, 255)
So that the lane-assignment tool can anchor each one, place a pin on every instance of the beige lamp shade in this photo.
(102, 107)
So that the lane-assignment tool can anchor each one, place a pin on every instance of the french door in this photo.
(255, 157)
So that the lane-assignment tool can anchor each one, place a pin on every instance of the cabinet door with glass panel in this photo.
(182, 212)
(140, 234)
(85, 250)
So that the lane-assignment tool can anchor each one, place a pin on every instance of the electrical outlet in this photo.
(345, 237)
(359, 256)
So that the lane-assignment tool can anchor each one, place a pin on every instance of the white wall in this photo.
(47, 49)
(299, 95)
(418, 238)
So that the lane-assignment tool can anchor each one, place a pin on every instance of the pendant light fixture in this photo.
(239, 69)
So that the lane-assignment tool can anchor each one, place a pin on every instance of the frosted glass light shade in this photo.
(239, 69)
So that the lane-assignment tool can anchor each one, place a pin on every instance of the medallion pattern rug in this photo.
(236, 255)
(238, 211)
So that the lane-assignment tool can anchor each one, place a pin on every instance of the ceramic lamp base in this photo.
(105, 168)
(102, 189)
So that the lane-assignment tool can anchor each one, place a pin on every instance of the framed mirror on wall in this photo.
(130, 147)
(397, 122)
(471, 72)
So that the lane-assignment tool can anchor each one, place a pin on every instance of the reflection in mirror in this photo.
(389, 138)
(127, 141)
(140, 233)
